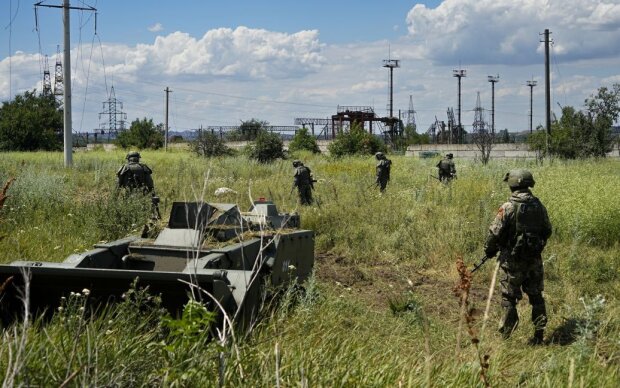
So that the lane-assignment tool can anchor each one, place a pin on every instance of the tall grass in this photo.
(342, 331)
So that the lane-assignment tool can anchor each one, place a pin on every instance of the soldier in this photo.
(446, 168)
(135, 175)
(519, 232)
(383, 171)
(304, 182)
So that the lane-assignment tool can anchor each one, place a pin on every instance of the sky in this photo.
(227, 62)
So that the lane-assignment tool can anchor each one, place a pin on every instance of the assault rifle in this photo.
(479, 264)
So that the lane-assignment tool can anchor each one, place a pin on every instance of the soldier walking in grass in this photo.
(519, 232)
(383, 171)
(304, 182)
(446, 168)
(134, 175)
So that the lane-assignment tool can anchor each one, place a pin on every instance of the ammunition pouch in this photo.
(527, 245)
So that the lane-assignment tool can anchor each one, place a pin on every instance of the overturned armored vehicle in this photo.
(209, 251)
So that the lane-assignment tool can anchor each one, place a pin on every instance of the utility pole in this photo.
(547, 82)
(531, 84)
(168, 91)
(493, 80)
(68, 135)
(460, 73)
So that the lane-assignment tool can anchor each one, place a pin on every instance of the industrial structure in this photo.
(114, 118)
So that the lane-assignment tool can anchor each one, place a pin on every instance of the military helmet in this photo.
(133, 155)
(519, 178)
(297, 163)
(449, 156)
(379, 155)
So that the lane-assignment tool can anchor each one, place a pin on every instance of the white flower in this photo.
(86, 292)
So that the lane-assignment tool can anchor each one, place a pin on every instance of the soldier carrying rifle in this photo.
(519, 232)
(304, 182)
(383, 171)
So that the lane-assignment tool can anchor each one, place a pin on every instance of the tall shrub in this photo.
(303, 141)
(355, 141)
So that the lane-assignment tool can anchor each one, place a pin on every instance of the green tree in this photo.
(413, 137)
(355, 141)
(209, 145)
(30, 122)
(603, 109)
(250, 129)
(267, 147)
(582, 134)
(141, 134)
(304, 141)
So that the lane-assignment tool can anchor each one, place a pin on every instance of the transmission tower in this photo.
(47, 79)
(113, 115)
(411, 115)
(479, 125)
(59, 88)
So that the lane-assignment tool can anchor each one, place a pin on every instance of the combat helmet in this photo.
(133, 155)
(379, 155)
(297, 163)
(449, 155)
(519, 179)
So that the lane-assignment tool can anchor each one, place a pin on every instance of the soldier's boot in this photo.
(539, 319)
(509, 320)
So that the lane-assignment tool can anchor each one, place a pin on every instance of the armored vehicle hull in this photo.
(208, 252)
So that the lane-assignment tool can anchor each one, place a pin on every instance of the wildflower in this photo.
(60, 309)
(86, 292)
(82, 309)
(291, 267)
(57, 247)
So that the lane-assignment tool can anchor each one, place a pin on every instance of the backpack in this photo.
(135, 176)
(529, 223)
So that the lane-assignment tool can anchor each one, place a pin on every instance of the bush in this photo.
(267, 147)
(142, 134)
(208, 145)
(304, 141)
(356, 141)
(30, 122)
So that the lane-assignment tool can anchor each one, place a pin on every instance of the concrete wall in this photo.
(501, 150)
(509, 150)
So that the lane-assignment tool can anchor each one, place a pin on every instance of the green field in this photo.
(380, 310)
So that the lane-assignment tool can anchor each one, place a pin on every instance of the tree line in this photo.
(34, 121)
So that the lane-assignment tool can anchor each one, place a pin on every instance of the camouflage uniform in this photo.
(446, 168)
(304, 182)
(135, 175)
(519, 232)
(383, 171)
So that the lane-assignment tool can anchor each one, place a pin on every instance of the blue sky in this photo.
(278, 60)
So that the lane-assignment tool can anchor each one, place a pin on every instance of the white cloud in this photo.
(156, 27)
(228, 75)
(507, 31)
(368, 86)
(242, 52)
